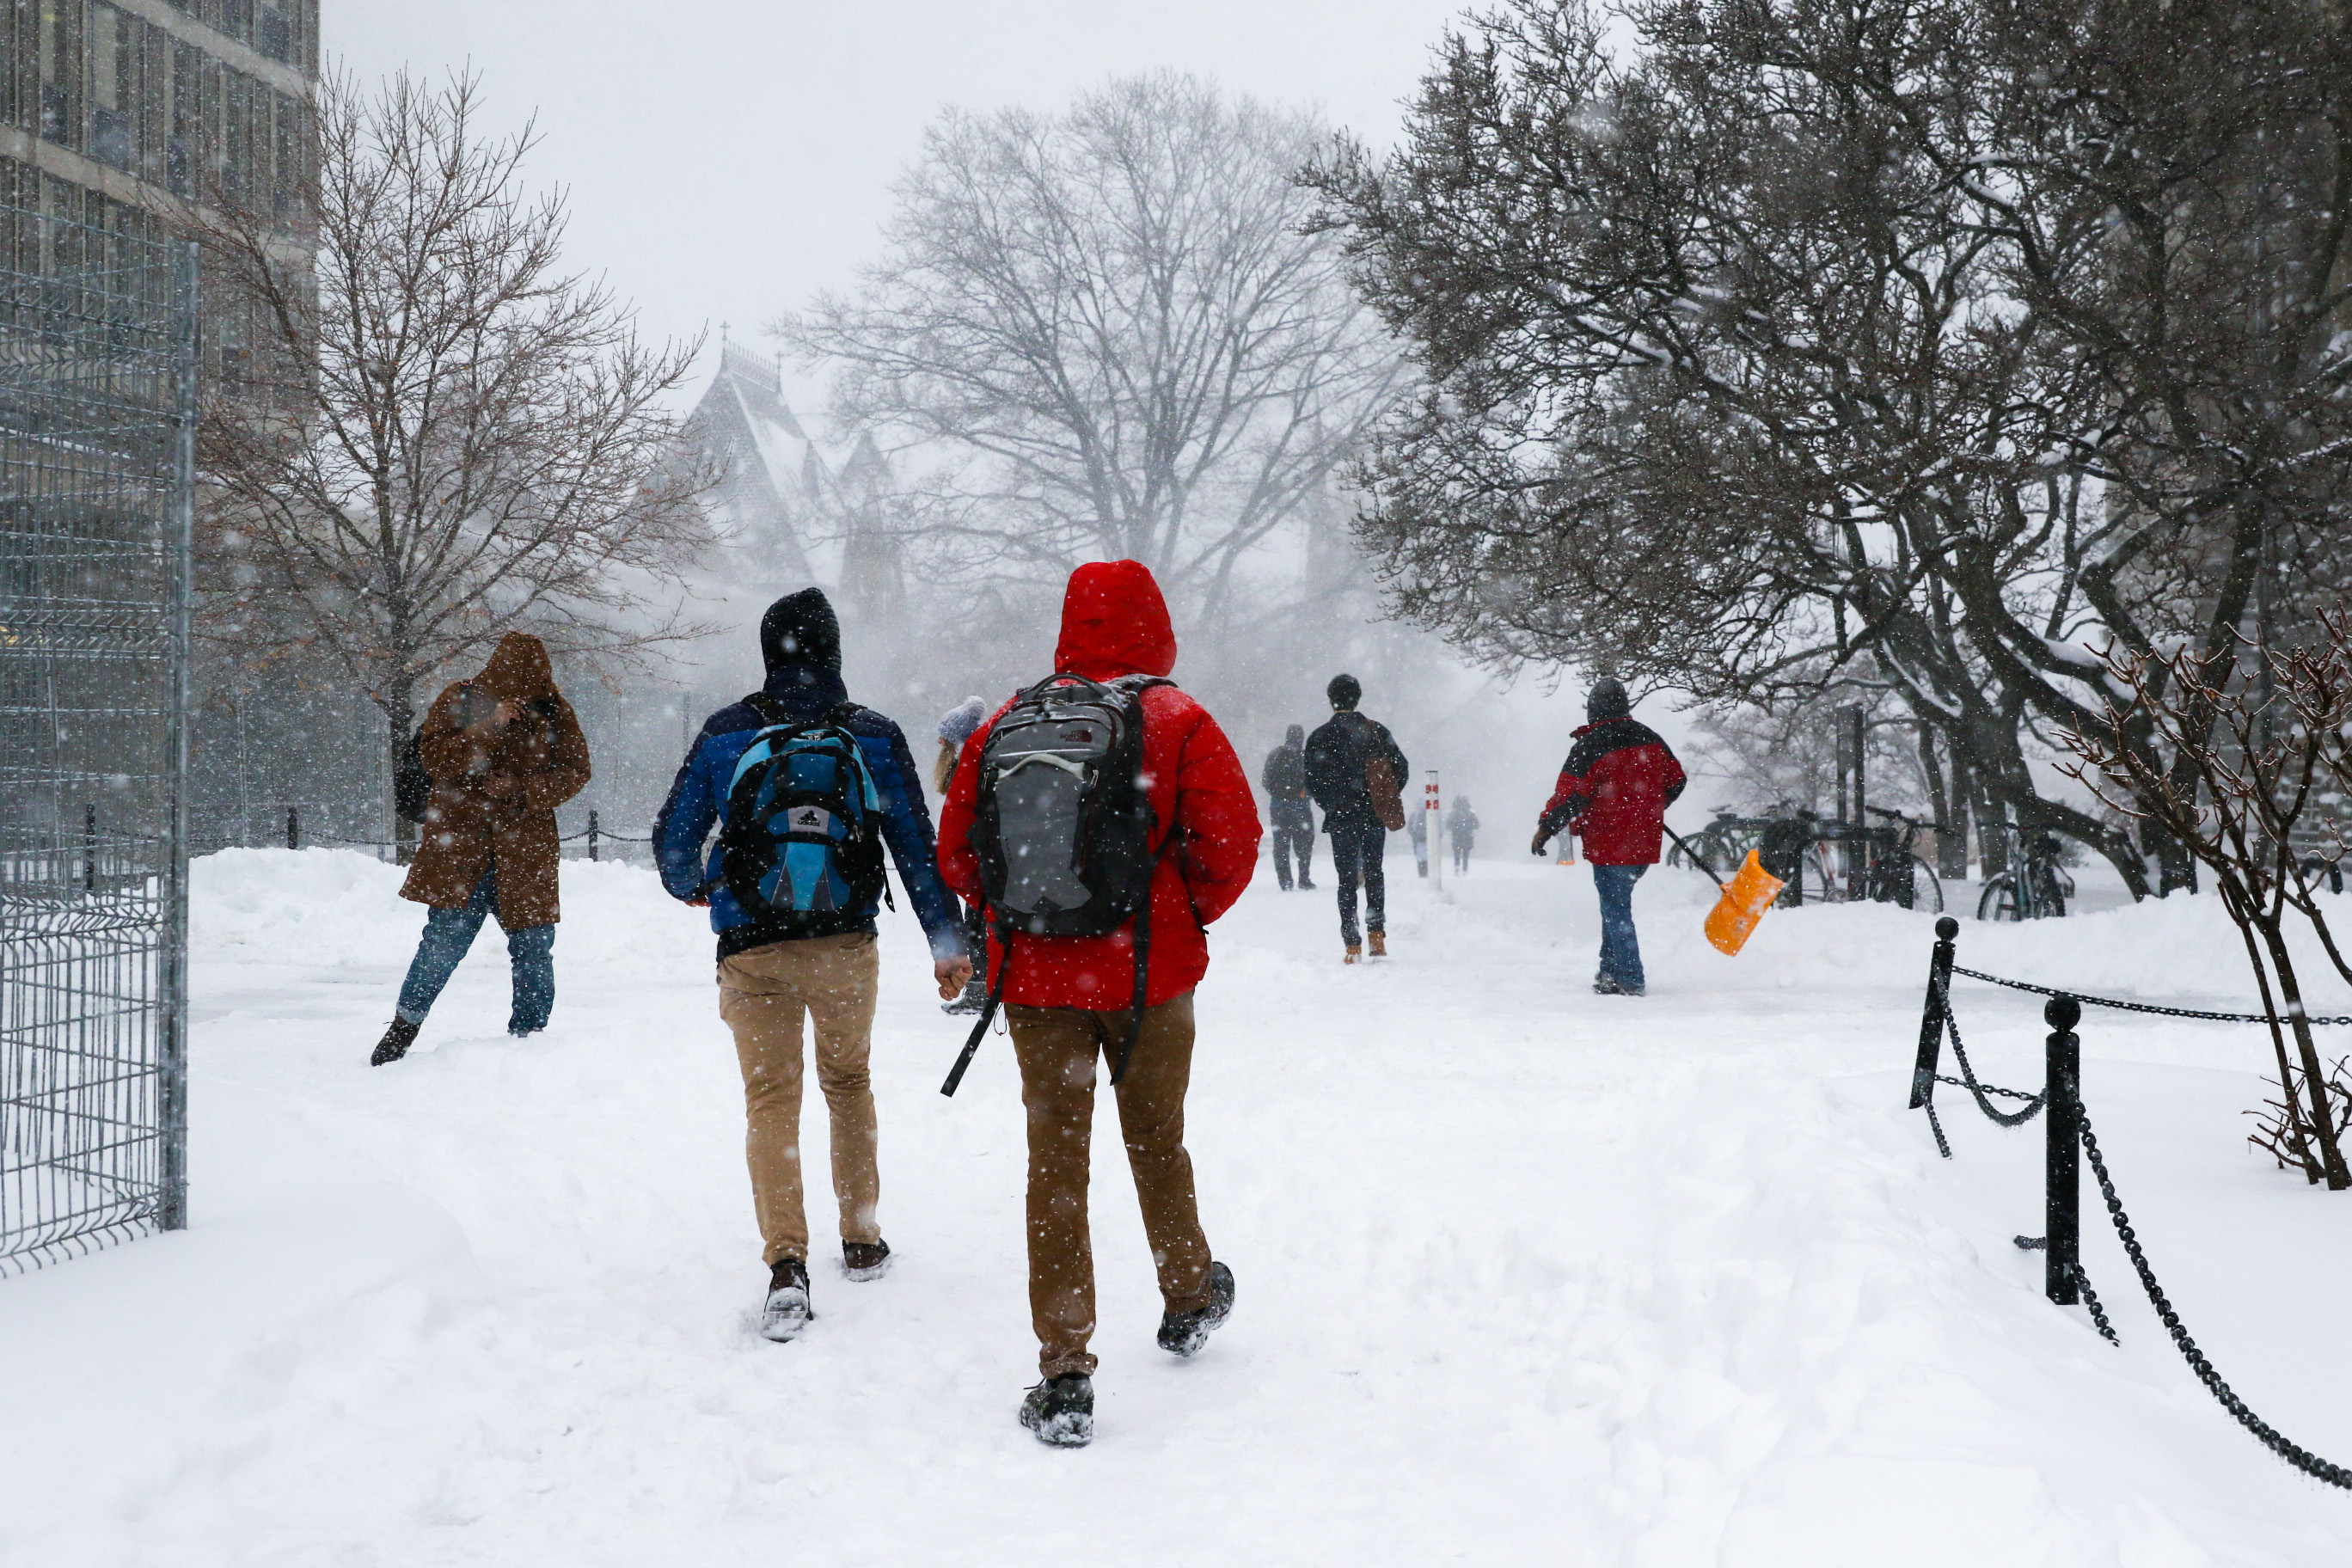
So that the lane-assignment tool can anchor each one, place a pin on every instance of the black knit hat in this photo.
(1606, 701)
(801, 629)
(1345, 691)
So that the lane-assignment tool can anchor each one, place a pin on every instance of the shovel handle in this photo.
(1694, 858)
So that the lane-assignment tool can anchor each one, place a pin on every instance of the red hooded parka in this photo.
(1115, 623)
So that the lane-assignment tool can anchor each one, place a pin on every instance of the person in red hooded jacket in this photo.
(1068, 1000)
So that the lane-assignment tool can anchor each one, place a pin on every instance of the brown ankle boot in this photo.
(1354, 952)
(1380, 944)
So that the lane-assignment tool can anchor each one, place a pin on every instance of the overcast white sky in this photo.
(727, 158)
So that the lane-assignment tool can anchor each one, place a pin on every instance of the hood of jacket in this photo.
(518, 669)
(1115, 623)
(799, 642)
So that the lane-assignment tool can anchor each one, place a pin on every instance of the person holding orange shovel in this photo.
(1614, 789)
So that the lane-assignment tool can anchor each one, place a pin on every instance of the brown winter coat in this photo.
(468, 828)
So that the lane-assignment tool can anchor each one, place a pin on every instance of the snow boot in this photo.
(865, 1259)
(1380, 940)
(1183, 1334)
(1355, 951)
(1061, 1411)
(786, 1312)
(1605, 984)
(395, 1043)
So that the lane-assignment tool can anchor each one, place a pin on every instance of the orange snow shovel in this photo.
(1744, 899)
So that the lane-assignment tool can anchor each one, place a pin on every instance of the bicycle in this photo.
(1896, 873)
(2036, 887)
(1719, 847)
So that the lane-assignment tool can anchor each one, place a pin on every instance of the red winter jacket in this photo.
(1616, 785)
(1115, 623)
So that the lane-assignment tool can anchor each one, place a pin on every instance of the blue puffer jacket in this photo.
(698, 799)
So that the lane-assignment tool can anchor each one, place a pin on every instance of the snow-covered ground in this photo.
(1527, 1276)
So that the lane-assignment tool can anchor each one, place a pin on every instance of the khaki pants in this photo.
(1057, 1048)
(761, 993)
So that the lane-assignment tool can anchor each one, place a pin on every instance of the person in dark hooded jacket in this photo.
(1069, 1001)
(1613, 792)
(503, 750)
(773, 968)
(1290, 810)
(1342, 757)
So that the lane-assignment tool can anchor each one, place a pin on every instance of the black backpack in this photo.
(800, 846)
(1064, 829)
(411, 786)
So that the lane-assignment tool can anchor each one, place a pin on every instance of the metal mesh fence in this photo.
(96, 408)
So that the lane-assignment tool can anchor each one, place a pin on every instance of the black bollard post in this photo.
(592, 835)
(90, 848)
(1931, 1019)
(2061, 1110)
(293, 828)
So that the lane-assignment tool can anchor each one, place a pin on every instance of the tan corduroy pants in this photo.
(762, 992)
(1059, 1049)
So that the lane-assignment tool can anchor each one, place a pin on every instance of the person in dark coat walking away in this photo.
(776, 964)
(1290, 810)
(1356, 773)
(503, 750)
(1462, 830)
(1613, 792)
(1069, 1001)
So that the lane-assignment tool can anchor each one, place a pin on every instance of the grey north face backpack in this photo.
(1063, 828)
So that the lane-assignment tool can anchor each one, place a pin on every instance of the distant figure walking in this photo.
(503, 750)
(1357, 775)
(956, 727)
(1290, 807)
(1614, 789)
(1462, 830)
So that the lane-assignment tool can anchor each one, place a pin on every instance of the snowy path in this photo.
(1526, 1275)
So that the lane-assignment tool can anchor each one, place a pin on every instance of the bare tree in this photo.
(1110, 321)
(2236, 793)
(436, 434)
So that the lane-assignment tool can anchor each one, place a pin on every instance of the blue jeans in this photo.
(1621, 950)
(450, 933)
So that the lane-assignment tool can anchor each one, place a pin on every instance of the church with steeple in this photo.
(793, 516)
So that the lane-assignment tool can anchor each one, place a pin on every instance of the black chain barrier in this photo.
(2066, 1269)
(2137, 1007)
(2295, 1453)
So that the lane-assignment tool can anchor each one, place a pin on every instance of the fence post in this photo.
(293, 828)
(1931, 1017)
(592, 835)
(90, 848)
(1433, 823)
(2061, 1111)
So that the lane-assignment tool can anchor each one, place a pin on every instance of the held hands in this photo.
(953, 974)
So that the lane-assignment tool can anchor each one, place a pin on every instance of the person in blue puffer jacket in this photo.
(771, 971)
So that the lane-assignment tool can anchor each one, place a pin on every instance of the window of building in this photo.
(276, 39)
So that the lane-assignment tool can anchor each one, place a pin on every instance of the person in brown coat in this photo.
(504, 750)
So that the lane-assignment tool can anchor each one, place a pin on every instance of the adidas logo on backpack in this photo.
(802, 842)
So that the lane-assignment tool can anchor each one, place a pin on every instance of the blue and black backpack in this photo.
(802, 841)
